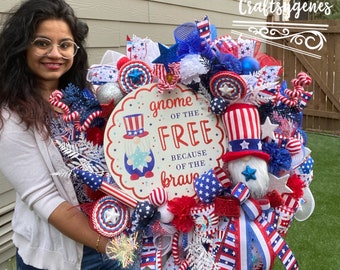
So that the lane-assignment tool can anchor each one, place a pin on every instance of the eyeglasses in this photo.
(44, 46)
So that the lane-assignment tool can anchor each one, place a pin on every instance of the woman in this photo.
(42, 49)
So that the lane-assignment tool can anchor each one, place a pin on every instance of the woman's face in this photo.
(49, 68)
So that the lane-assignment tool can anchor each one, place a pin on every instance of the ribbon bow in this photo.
(250, 206)
(257, 230)
(167, 80)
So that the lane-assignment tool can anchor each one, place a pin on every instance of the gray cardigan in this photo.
(29, 163)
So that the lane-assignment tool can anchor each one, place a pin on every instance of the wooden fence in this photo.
(322, 113)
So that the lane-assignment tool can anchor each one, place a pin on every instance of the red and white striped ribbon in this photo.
(118, 194)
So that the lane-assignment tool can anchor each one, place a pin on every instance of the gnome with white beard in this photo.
(249, 241)
(139, 160)
(246, 161)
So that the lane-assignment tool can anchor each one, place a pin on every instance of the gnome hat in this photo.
(134, 125)
(242, 122)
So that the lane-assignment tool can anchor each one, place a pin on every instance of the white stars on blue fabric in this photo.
(144, 210)
(218, 105)
(94, 181)
(307, 166)
(207, 187)
(244, 145)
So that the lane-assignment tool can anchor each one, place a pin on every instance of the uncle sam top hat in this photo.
(134, 125)
(242, 122)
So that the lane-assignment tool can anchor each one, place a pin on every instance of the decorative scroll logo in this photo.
(299, 34)
(308, 34)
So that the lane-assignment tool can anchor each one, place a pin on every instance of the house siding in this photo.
(110, 21)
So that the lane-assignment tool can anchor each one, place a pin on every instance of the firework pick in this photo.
(96, 182)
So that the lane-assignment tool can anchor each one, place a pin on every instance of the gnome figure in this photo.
(246, 161)
(138, 159)
(248, 171)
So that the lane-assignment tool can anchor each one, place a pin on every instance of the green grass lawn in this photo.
(316, 241)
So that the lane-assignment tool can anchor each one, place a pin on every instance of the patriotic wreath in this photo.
(242, 210)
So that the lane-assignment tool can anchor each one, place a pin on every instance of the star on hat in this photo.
(244, 145)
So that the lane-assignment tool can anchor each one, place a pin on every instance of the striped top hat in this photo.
(242, 122)
(134, 125)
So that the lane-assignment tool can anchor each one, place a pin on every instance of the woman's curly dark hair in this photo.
(18, 89)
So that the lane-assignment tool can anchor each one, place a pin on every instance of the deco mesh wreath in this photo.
(239, 212)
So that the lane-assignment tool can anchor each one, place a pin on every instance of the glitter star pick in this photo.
(167, 56)
(279, 183)
(268, 129)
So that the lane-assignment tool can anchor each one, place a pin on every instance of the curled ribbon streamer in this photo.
(302, 79)
(183, 264)
(175, 251)
(292, 96)
(296, 93)
(159, 255)
(291, 102)
(71, 116)
(88, 120)
(55, 100)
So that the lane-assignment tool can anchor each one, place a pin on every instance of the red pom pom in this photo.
(180, 208)
(275, 198)
(121, 61)
(95, 135)
(296, 184)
